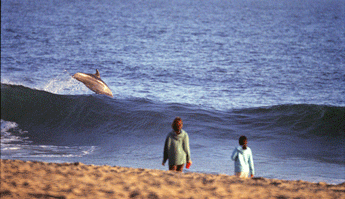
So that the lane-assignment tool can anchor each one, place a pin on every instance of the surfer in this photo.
(242, 155)
(176, 147)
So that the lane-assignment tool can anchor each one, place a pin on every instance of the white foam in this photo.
(6, 125)
(8, 131)
(65, 84)
(14, 145)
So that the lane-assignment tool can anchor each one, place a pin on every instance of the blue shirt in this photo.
(243, 160)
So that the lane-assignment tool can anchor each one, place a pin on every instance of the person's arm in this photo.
(165, 153)
(186, 148)
(234, 154)
(251, 164)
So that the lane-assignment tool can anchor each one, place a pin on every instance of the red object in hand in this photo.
(188, 165)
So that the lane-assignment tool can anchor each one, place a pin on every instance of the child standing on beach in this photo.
(243, 158)
(176, 147)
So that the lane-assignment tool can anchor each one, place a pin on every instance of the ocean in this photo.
(271, 70)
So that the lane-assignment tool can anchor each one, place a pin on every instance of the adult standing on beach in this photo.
(243, 158)
(176, 147)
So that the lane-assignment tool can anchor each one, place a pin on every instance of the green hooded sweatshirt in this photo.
(176, 148)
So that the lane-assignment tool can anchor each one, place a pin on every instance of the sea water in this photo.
(271, 70)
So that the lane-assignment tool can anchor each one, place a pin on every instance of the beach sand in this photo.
(26, 179)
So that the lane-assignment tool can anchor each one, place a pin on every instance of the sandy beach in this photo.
(26, 179)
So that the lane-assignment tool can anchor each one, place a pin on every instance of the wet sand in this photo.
(26, 179)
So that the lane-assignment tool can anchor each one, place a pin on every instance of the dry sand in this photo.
(25, 179)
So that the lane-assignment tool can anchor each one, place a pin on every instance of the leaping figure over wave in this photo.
(94, 83)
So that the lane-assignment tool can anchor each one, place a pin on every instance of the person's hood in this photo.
(177, 136)
(240, 149)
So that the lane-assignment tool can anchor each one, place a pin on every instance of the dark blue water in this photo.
(271, 70)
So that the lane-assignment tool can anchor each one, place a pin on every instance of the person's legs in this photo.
(242, 174)
(176, 167)
(172, 167)
(180, 168)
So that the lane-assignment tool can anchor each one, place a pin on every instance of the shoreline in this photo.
(31, 179)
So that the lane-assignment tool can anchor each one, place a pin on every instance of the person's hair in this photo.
(177, 124)
(242, 142)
